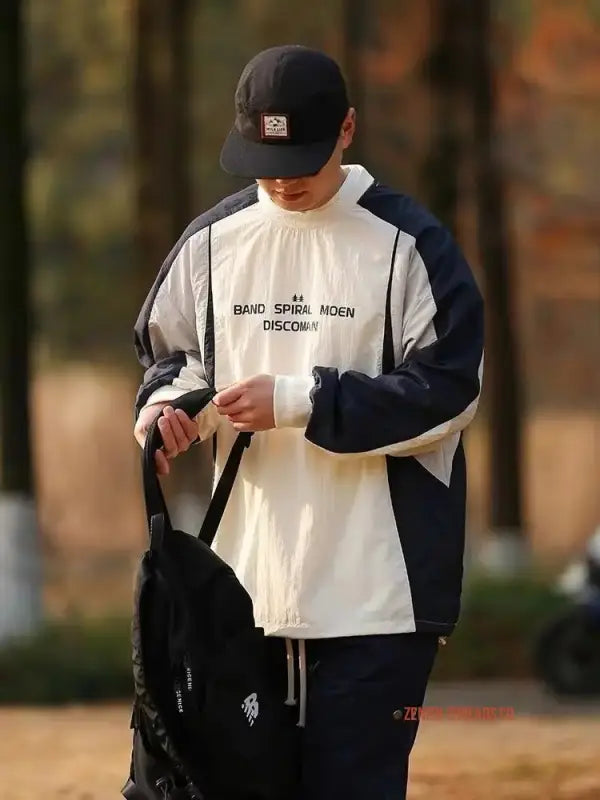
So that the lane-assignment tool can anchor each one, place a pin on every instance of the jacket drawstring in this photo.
(291, 698)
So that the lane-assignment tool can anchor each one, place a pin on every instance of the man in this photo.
(339, 321)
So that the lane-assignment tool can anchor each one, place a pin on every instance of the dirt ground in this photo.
(80, 753)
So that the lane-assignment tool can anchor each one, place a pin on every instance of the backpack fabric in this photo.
(207, 722)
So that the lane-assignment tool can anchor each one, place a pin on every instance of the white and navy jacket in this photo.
(348, 518)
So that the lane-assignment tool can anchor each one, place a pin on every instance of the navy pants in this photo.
(358, 734)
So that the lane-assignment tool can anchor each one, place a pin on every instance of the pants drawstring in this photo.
(302, 665)
(289, 651)
(291, 698)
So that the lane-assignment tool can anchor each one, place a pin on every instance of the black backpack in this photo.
(208, 723)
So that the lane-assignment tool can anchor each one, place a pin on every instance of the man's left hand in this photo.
(248, 404)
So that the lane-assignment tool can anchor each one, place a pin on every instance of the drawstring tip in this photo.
(291, 700)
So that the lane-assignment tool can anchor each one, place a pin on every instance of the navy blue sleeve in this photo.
(434, 391)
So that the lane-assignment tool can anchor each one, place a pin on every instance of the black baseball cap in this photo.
(290, 103)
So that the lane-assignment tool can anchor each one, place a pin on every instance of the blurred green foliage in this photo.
(517, 14)
(87, 660)
(594, 10)
(499, 623)
(69, 661)
(79, 178)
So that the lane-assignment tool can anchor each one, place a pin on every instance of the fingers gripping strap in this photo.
(192, 403)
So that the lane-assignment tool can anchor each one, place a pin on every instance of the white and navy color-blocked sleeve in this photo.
(174, 333)
(415, 411)
(432, 360)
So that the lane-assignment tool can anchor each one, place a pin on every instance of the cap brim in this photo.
(248, 159)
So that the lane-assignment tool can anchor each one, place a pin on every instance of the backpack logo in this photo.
(250, 708)
(179, 698)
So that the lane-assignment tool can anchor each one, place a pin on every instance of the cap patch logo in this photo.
(274, 126)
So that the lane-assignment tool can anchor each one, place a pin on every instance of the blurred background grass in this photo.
(77, 659)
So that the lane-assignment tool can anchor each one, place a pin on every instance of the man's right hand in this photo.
(178, 432)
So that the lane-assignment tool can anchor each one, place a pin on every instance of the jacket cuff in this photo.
(292, 405)
(164, 394)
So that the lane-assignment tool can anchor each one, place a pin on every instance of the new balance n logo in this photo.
(250, 708)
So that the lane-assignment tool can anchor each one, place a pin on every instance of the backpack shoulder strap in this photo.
(218, 502)
(156, 509)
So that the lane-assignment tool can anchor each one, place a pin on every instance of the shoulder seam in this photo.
(227, 207)
(405, 207)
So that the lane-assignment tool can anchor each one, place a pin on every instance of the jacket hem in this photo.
(305, 631)
(428, 626)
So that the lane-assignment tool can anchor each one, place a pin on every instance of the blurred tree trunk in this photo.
(502, 375)
(445, 74)
(14, 319)
(354, 26)
(161, 131)
(19, 563)
(162, 166)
